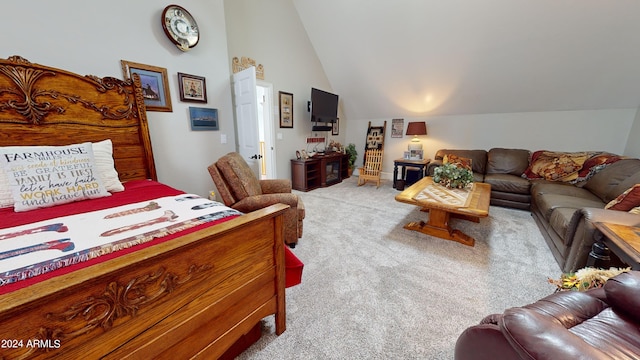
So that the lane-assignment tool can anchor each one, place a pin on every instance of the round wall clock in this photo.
(180, 27)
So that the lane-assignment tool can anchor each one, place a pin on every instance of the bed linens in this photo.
(54, 242)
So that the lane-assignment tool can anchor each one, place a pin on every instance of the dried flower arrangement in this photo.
(586, 278)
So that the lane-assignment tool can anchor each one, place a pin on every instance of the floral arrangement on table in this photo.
(452, 176)
(586, 278)
(334, 146)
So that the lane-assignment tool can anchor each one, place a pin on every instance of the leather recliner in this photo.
(600, 323)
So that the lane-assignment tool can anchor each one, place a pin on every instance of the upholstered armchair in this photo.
(240, 189)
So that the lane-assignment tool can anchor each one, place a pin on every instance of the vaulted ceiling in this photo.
(406, 58)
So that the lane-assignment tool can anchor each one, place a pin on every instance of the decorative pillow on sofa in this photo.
(627, 200)
(44, 176)
(103, 156)
(555, 166)
(459, 161)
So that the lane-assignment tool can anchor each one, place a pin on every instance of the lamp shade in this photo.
(417, 128)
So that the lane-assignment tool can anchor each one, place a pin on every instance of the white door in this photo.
(246, 105)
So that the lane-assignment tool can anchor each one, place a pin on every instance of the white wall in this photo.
(270, 32)
(605, 130)
(91, 37)
(633, 145)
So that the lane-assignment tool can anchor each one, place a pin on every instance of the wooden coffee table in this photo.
(622, 240)
(440, 212)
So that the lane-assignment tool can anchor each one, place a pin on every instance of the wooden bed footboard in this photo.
(191, 297)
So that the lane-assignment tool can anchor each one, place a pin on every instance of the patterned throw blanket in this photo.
(570, 167)
(30, 250)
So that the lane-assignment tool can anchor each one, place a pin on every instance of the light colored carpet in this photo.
(373, 290)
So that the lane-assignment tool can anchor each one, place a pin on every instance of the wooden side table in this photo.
(622, 240)
(421, 165)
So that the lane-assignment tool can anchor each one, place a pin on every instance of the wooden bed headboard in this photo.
(40, 105)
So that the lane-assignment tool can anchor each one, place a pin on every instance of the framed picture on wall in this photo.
(286, 109)
(192, 88)
(155, 84)
(203, 118)
(397, 126)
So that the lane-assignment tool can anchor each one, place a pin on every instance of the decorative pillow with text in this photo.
(45, 176)
(103, 157)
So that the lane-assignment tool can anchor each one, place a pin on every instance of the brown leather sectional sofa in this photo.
(564, 212)
(601, 323)
(502, 168)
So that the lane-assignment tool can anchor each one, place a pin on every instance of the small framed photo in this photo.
(416, 154)
(286, 109)
(192, 88)
(155, 84)
(335, 128)
(203, 118)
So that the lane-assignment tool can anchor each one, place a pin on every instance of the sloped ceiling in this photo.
(446, 57)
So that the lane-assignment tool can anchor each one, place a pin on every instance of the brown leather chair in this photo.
(240, 189)
(602, 323)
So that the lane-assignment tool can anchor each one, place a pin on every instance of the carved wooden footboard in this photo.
(193, 296)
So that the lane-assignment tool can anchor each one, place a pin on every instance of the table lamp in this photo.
(415, 129)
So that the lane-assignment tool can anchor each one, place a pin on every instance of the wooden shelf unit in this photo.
(319, 171)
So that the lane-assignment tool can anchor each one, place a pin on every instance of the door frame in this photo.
(268, 124)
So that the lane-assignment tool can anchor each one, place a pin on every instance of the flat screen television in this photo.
(324, 106)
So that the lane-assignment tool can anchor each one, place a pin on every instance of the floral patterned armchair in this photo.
(240, 189)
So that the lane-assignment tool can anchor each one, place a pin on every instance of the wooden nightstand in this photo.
(420, 165)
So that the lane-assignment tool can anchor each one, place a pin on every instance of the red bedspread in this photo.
(135, 191)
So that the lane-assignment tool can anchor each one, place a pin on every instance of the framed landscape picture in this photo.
(203, 118)
(155, 84)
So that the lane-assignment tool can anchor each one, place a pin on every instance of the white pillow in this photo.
(6, 199)
(103, 157)
(45, 176)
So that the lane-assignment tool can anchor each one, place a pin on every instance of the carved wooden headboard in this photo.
(40, 105)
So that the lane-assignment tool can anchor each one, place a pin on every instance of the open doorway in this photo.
(254, 114)
(266, 130)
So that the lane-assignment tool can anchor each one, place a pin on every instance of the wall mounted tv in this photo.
(324, 106)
